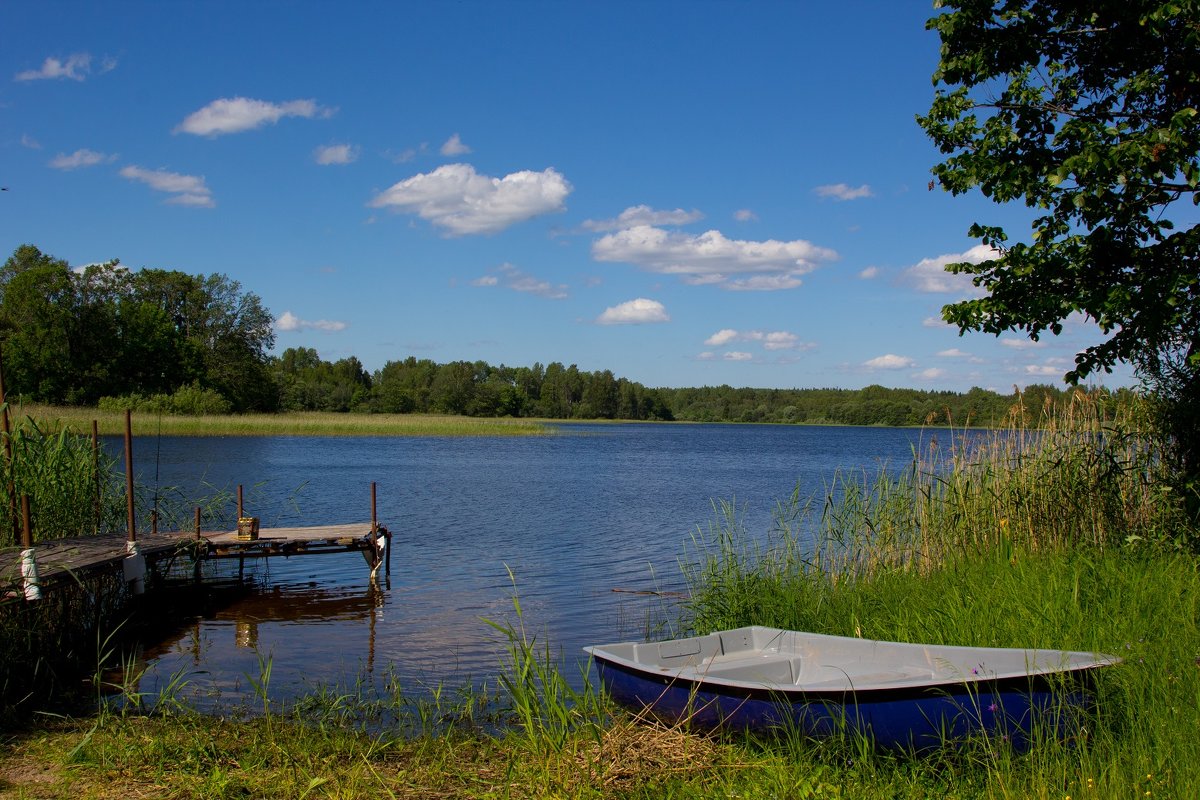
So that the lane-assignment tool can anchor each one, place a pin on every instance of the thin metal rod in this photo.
(129, 507)
(96, 474)
(240, 513)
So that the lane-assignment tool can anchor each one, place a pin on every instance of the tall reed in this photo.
(73, 489)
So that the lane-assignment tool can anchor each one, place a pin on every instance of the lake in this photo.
(585, 521)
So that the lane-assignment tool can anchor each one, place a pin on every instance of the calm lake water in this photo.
(582, 519)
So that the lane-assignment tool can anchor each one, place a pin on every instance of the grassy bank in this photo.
(312, 423)
(1060, 538)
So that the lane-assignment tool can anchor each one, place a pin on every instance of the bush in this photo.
(191, 400)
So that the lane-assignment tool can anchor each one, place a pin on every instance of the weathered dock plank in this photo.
(61, 558)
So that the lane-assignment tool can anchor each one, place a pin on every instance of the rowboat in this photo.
(902, 696)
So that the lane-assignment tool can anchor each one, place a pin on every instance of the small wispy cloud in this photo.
(869, 273)
(890, 361)
(237, 114)
(454, 147)
(290, 323)
(520, 281)
(840, 191)
(185, 190)
(745, 215)
(634, 312)
(770, 340)
(1021, 344)
(80, 158)
(643, 215)
(336, 154)
(30, 142)
(76, 67)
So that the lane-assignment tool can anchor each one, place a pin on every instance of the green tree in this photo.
(1088, 112)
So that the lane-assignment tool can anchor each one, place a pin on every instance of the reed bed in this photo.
(312, 423)
(70, 485)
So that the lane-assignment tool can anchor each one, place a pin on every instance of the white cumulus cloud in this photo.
(236, 114)
(459, 200)
(840, 191)
(80, 158)
(770, 340)
(75, 68)
(722, 337)
(336, 154)
(929, 274)
(289, 322)
(890, 361)
(642, 215)
(186, 190)
(711, 258)
(454, 147)
(933, 373)
(1021, 344)
(634, 312)
(870, 273)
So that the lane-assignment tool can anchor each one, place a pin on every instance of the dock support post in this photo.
(29, 571)
(135, 563)
(198, 555)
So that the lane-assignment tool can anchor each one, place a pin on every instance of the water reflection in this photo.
(569, 518)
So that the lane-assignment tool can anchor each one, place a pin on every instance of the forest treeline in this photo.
(159, 340)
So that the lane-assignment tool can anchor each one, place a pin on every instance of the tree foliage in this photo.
(74, 337)
(1088, 113)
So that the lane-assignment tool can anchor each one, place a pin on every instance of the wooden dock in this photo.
(66, 559)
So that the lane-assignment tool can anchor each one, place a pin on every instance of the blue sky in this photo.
(687, 194)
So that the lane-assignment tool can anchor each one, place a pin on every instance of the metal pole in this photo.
(129, 507)
(239, 504)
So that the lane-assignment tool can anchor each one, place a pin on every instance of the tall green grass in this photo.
(1054, 538)
(73, 490)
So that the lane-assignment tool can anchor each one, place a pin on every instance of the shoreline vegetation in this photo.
(863, 407)
(1057, 535)
(297, 423)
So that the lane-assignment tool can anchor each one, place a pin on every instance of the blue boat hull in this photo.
(917, 718)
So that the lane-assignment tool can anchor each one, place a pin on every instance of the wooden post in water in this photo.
(240, 504)
(374, 531)
(196, 564)
(134, 565)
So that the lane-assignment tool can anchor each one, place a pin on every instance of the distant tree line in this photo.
(158, 340)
